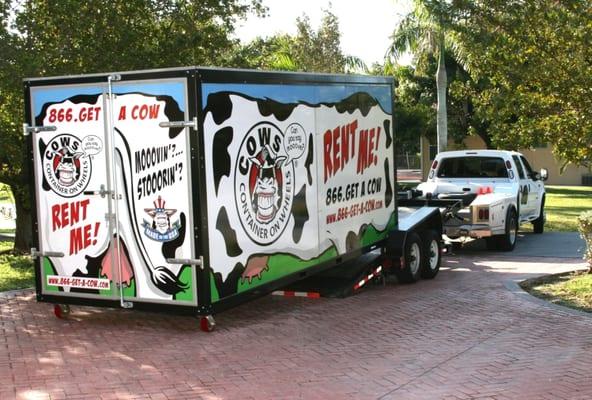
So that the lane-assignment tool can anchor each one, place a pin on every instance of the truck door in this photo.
(114, 205)
(535, 187)
(524, 201)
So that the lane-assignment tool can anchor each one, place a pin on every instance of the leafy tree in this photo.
(534, 58)
(309, 50)
(422, 31)
(42, 38)
(416, 99)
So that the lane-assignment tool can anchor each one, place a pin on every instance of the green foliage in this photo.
(6, 194)
(585, 229)
(42, 38)
(309, 50)
(16, 272)
(533, 59)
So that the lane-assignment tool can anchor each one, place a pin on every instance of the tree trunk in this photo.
(441, 116)
(23, 240)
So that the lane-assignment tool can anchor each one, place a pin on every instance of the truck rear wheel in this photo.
(507, 241)
(410, 271)
(432, 254)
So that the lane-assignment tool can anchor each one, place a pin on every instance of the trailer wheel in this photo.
(432, 255)
(538, 225)
(61, 311)
(207, 323)
(410, 271)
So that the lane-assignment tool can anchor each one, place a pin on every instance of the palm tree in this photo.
(423, 31)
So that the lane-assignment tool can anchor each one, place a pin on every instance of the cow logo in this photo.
(161, 229)
(66, 167)
(264, 181)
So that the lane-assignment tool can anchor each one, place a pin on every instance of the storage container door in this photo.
(71, 164)
(151, 177)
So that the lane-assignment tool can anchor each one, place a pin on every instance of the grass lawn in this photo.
(572, 290)
(16, 272)
(564, 204)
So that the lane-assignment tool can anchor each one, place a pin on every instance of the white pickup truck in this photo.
(499, 190)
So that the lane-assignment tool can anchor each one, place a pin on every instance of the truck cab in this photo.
(498, 189)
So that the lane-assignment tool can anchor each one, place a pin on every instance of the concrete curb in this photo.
(514, 287)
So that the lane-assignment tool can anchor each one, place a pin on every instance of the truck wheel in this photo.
(538, 225)
(412, 259)
(507, 241)
(432, 255)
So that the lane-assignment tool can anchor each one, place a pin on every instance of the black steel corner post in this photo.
(395, 144)
(30, 168)
(199, 195)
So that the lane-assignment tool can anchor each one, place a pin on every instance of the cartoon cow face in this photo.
(67, 169)
(266, 193)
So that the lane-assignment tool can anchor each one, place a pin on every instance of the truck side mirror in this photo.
(544, 174)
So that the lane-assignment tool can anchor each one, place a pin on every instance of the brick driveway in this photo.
(467, 334)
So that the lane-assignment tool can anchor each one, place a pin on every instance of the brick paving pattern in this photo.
(464, 335)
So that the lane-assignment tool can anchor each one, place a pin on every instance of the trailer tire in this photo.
(61, 311)
(538, 225)
(432, 254)
(410, 271)
(507, 241)
(207, 323)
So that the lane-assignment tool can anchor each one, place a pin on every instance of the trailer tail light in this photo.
(483, 214)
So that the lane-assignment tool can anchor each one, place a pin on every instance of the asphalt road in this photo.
(548, 244)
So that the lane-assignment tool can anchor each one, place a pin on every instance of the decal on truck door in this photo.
(295, 175)
(149, 165)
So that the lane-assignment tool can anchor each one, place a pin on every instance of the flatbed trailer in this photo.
(192, 190)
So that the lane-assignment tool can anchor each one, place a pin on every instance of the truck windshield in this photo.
(472, 167)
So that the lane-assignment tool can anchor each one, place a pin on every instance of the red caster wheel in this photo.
(207, 323)
(61, 311)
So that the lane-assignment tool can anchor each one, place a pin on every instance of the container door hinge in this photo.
(179, 124)
(187, 261)
(36, 253)
(27, 130)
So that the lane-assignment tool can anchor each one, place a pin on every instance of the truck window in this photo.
(527, 167)
(472, 167)
(519, 166)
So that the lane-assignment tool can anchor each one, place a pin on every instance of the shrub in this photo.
(585, 228)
